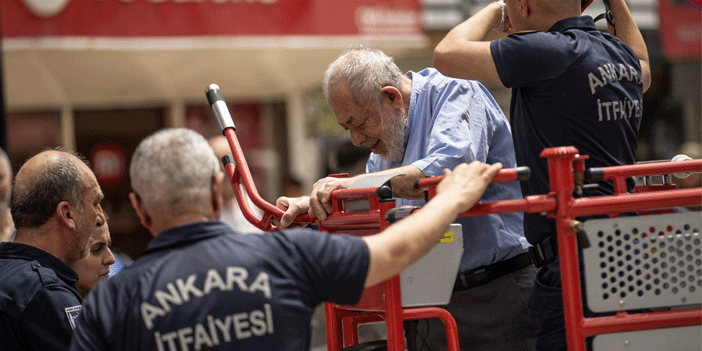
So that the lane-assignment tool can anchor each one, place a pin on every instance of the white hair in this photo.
(172, 172)
(365, 71)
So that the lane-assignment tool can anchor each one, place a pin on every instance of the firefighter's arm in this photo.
(404, 242)
(629, 33)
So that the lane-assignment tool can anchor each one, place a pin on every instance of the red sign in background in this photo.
(108, 163)
(681, 30)
(136, 18)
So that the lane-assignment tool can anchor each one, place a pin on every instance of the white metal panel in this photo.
(643, 262)
(678, 339)
(430, 280)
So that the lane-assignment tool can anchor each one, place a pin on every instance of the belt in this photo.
(483, 275)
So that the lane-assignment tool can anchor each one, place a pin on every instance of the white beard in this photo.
(394, 125)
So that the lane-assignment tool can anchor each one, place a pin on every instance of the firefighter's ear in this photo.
(138, 206)
(63, 211)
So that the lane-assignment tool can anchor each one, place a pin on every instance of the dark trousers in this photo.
(493, 316)
(546, 304)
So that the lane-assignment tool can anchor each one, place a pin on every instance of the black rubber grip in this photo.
(594, 174)
(523, 173)
(384, 191)
(227, 159)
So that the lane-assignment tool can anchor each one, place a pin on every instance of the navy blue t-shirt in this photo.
(572, 86)
(38, 299)
(203, 287)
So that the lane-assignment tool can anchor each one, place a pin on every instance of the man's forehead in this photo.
(345, 118)
(91, 183)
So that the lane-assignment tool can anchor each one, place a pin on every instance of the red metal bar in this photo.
(444, 316)
(588, 206)
(641, 321)
(350, 331)
(649, 188)
(503, 175)
(563, 162)
(359, 223)
(561, 176)
(394, 313)
(531, 204)
(353, 194)
(570, 282)
(238, 174)
(332, 323)
(341, 220)
(351, 326)
(648, 169)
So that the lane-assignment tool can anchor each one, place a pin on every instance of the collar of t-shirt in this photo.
(581, 22)
(45, 259)
(186, 233)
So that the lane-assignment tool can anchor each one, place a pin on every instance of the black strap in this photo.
(608, 16)
(483, 275)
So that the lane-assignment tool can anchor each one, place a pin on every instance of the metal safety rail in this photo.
(383, 302)
(567, 174)
(379, 303)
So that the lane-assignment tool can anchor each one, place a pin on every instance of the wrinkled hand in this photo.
(293, 207)
(467, 182)
(320, 204)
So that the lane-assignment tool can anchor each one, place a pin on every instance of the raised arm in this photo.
(463, 53)
(404, 242)
(629, 33)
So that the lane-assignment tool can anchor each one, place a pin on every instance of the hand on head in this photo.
(505, 25)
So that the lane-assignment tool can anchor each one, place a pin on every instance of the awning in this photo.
(114, 52)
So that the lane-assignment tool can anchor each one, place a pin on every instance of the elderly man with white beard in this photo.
(417, 124)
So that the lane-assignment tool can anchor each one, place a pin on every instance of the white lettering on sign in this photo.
(45, 8)
(384, 20)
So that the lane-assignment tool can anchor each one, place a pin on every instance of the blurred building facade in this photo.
(99, 75)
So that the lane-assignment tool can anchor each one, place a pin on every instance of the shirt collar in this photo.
(418, 82)
(186, 233)
(31, 253)
(582, 22)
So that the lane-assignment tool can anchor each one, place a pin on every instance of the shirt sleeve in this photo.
(334, 265)
(530, 58)
(460, 129)
(49, 318)
(88, 334)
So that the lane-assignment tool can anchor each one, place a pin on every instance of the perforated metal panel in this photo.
(643, 262)
(678, 339)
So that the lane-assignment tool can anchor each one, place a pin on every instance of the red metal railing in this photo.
(566, 174)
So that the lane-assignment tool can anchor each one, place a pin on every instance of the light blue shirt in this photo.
(454, 121)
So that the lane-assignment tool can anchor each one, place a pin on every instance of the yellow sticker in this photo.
(447, 238)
